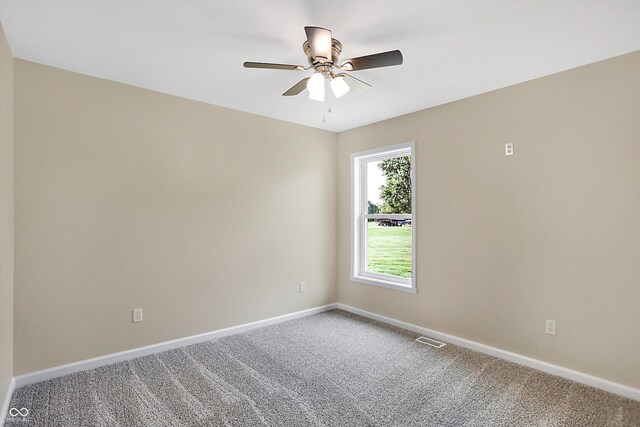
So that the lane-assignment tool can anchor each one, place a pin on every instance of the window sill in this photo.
(383, 283)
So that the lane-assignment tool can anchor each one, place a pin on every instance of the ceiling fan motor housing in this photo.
(336, 49)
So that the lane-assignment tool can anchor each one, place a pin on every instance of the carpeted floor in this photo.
(329, 369)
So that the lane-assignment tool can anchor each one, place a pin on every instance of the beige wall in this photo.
(6, 216)
(506, 242)
(208, 217)
(203, 216)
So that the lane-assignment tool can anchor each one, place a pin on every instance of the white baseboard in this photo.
(6, 401)
(59, 371)
(570, 374)
(590, 380)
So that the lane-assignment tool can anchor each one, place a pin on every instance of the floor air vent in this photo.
(431, 342)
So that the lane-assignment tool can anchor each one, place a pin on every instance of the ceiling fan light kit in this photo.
(339, 87)
(323, 54)
(315, 86)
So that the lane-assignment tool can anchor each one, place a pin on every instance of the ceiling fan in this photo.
(322, 53)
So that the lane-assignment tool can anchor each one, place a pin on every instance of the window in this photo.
(383, 217)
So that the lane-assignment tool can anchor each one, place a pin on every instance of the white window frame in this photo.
(360, 217)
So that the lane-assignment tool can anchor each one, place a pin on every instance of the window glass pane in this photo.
(389, 247)
(388, 241)
(389, 186)
(375, 180)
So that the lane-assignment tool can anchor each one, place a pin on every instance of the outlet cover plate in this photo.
(508, 149)
(551, 327)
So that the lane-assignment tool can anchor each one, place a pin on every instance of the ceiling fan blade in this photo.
(269, 66)
(297, 88)
(377, 60)
(319, 43)
(356, 85)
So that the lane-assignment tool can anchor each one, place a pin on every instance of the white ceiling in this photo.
(195, 49)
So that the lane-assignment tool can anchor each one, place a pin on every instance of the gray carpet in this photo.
(330, 369)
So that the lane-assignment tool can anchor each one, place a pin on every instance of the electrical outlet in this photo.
(508, 149)
(303, 287)
(551, 327)
(137, 315)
